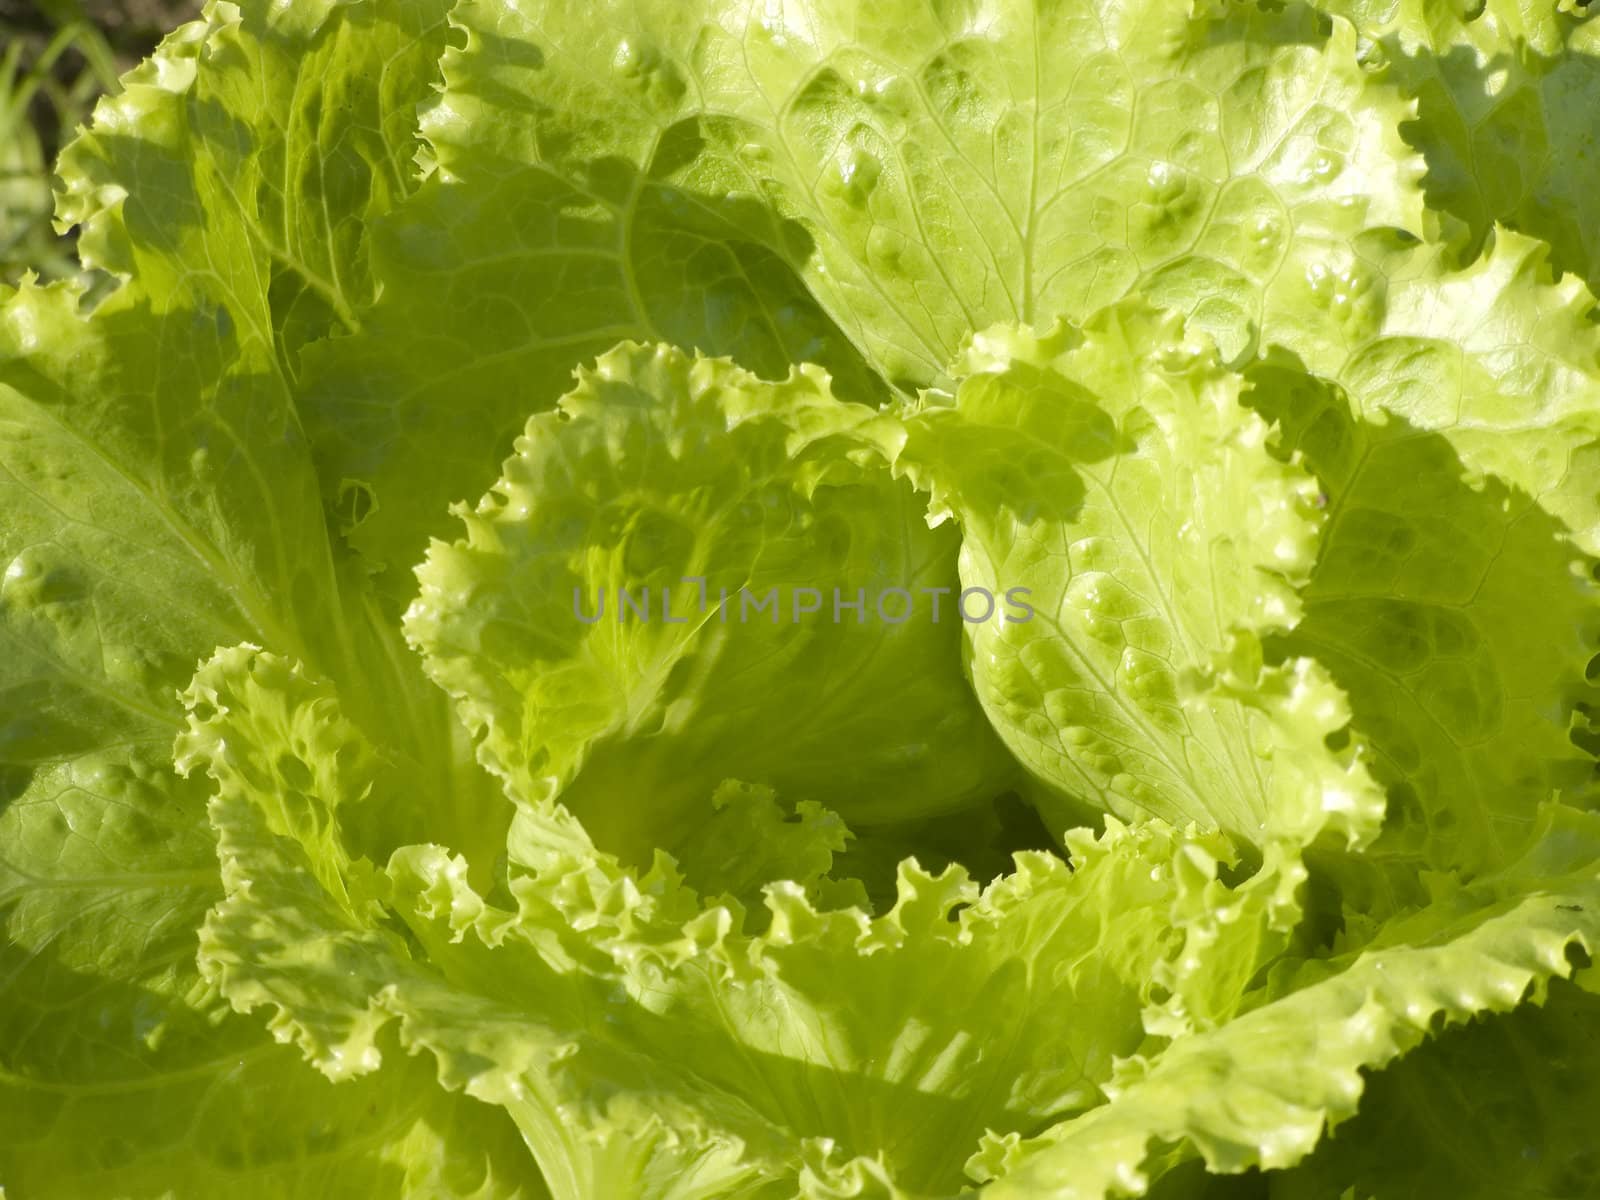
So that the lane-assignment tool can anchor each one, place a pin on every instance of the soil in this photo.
(131, 26)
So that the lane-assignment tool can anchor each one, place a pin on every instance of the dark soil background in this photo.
(57, 57)
(131, 28)
(130, 25)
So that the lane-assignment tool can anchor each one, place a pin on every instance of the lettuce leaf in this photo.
(708, 600)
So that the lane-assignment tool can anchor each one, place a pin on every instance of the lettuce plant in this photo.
(709, 599)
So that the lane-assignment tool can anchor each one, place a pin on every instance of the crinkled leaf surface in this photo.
(1505, 91)
(245, 160)
(159, 500)
(1258, 1091)
(1113, 472)
(511, 1000)
(825, 183)
(652, 601)
(1500, 357)
(1455, 439)
(141, 530)
(1419, 605)
(563, 1007)
(1501, 1106)
(958, 164)
(1307, 513)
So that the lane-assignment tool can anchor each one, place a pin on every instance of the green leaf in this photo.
(245, 160)
(1502, 1106)
(230, 1113)
(955, 166)
(751, 839)
(1455, 613)
(1106, 327)
(1454, 595)
(1499, 357)
(1504, 92)
(653, 600)
(539, 273)
(1294, 1064)
(155, 500)
(644, 1043)
(857, 190)
(1113, 472)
